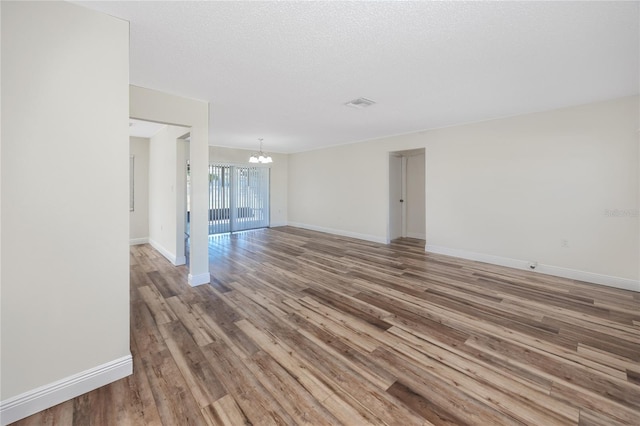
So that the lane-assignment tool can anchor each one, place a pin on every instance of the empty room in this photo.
(320, 213)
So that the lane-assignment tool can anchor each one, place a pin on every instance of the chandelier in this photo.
(260, 157)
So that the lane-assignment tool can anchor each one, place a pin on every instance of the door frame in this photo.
(392, 222)
(403, 155)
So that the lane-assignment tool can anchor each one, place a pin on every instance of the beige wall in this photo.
(278, 176)
(65, 191)
(139, 217)
(506, 190)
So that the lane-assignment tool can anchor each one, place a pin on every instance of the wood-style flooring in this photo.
(300, 327)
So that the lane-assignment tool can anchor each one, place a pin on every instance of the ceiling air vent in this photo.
(360, 103)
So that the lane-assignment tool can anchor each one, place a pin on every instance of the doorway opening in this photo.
(159, 154)
(407, 202)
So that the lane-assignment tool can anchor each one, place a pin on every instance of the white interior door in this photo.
(395, 197)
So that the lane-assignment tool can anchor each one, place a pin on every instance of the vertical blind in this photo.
(238, 198)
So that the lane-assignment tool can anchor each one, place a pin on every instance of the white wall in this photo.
(152, 105)
(139, 217)
(344, 190)
(166, 195)
(278, 176)
(517, 189)
(506, 190)
(65, 175)
(416, 196)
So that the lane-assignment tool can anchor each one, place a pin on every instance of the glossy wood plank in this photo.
(300, 327)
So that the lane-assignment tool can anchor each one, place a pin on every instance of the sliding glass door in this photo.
(238, 198)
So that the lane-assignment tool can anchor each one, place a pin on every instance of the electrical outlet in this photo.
(564, 243)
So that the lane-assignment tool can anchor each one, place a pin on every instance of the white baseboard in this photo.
(138, 241)
(163, 251)
(590, 277)
(199, 279)
(416, 235)
(180, 260)
(276, 224)
(344, 233)
(33, 401)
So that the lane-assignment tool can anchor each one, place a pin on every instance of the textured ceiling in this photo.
(283, 70)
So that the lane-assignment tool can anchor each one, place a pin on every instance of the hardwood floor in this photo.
(300, 327)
